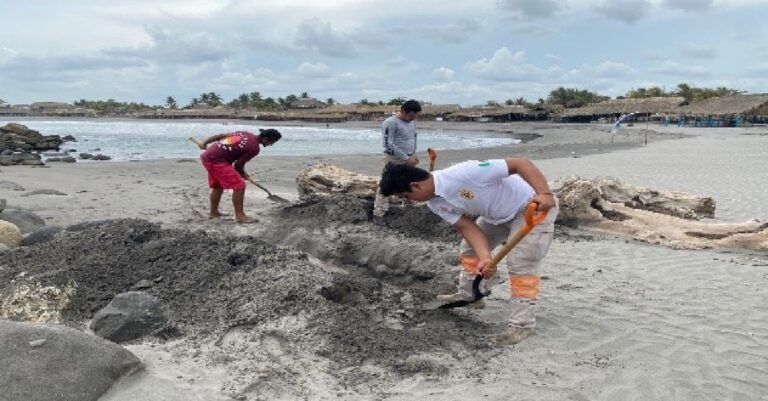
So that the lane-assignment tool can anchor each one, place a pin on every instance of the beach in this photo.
(617, 319)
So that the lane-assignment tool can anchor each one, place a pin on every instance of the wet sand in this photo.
(618, 319)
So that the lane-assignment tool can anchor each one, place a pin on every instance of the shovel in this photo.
(532, 218)
(270, 195)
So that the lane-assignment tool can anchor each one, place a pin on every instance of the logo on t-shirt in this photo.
(466, 194)
(484, 164)
(236, 140)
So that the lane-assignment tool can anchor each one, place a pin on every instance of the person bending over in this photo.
(225, 162)
(497, 192)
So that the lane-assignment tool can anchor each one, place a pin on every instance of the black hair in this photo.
(397, 178)
(410, 106)
(271, 134)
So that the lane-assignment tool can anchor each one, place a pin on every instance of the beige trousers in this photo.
(522, 262)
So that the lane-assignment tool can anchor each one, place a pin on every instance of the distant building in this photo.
(306, 103)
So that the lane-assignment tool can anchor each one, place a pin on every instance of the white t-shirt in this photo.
(479, 188)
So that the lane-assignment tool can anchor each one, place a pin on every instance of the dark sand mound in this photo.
(235, 292)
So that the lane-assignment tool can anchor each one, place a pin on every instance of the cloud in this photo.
(443, 74)
(672, 68)
(402, 63)
(451, 33)
(320, 36)
(505, 66)
(689, 5)
(697, 50)
(318, 70)
(552, 59)
(532, 8)
(611, 69)
(629, 11)
(178, 47)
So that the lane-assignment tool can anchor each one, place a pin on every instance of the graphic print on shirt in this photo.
(466, 194)
(236, 140)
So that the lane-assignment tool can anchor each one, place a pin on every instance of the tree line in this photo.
(561, 96)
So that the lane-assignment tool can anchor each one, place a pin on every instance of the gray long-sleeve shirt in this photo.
(399, 137)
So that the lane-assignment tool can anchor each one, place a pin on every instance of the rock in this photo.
(65, 159)
(68, 365)
(325, 179)
(37, 343)
(2, 205)
(4, 248)
(86, 156)
(143, 285)
(31, 301)
(11, 186)
(101, 157)
(10, 235)
(41, 236)
(129, 316)
(29, 159)
(69, 138)
(27, 222)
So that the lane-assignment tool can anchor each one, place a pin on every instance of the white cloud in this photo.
(443, 74)
(317, 70)
(552, 59)
(401, 62)
(672, 68)
(689, 5)
(611, 69)
(456, 32)
(629, 11)
(320, 36)
(533, 8)
(697, 50)
(505, 66)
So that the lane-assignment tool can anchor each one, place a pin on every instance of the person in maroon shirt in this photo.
(225, 163)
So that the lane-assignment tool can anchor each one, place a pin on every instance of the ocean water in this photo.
(152, 139)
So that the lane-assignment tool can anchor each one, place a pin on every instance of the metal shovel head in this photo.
(278, 198)
(477, 295)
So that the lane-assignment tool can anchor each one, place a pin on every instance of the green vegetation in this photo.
(571, 97)
(111, 106)
(687, 91)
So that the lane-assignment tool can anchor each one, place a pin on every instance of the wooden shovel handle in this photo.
(532, 218)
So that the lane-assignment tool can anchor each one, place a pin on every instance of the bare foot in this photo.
(217, 215)
(246, 220)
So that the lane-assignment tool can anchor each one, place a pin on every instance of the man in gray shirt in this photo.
(399, 138)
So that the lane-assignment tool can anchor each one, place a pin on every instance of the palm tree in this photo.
(304, 95)
(330, 101)
(170, 102)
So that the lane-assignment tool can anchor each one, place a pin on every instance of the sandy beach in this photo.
(618, 318)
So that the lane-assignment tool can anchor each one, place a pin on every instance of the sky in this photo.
(443, 52)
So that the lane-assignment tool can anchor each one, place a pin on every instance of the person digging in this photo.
(498, 192)
(225, 162)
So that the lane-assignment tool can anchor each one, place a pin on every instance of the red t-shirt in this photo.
(240, 145)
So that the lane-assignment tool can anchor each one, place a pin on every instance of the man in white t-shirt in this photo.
(497, 192)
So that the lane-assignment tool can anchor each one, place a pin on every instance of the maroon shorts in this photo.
(223, 176)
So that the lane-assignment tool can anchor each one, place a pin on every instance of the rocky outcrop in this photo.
(43, 363)
(665, 218)
(26, 221)
(326, 179)
(21, 145)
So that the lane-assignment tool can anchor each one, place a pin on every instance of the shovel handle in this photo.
(196, 142)
(532, 218)
(432, 157)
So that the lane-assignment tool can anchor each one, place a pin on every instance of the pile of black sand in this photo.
(213, 283)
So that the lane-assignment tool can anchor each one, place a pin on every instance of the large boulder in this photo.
(43, 363)
(130, 315)
(326, 179)
(27, 300)
(26, 221)
(10, 235)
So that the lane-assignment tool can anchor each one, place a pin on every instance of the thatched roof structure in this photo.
(745, 105)
(650, 105)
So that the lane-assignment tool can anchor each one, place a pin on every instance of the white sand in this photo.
(619, 320)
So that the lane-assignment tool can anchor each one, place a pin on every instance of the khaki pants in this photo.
(381, 202)
(522, 262)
